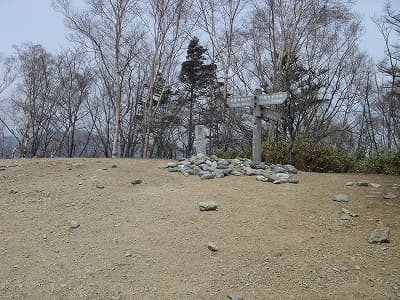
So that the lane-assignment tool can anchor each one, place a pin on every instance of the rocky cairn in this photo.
(214, 167)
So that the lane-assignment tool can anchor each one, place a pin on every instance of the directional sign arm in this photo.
(240, 101)
(277, 98)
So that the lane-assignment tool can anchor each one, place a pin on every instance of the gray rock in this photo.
(234, 296)
(227, 171)
(261, 178)
(212, 246)
(340, 198)
(207, 176)
(208, 205)
(379, 235)
(362, 183)
(172, 164)
(250, 171)
(277, 181)
(99, 185)
(278, 169)
(345, 217)
(375, 185)
(283, 176)
(234, 161)
(222, 164)
(349, 183)
(343, 269)
(294, 181)
(173, 169)
(260, 172)
(77, 165)
(273, 177)
(74, 224)
(236, 173)
(199, 162)
(218, 173)
(389, 196)
(136, 181)
(196, 170)
(257, 165)
(290, 169)
(188, 171)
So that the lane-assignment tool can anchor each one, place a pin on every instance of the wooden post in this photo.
(259, 103)
(256, 147)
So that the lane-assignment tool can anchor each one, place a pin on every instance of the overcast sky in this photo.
(35, 21)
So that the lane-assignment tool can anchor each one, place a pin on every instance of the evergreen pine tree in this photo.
(197, 77)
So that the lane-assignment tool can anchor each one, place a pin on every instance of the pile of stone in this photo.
(214, 167)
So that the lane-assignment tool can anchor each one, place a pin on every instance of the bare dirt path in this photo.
(148, 241)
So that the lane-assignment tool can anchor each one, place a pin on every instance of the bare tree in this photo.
(73, 79)
(305, 48)
(167, 26)
(108, 29)
(219, 19)
(389, 27)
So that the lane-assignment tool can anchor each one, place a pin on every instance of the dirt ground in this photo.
(148, 241)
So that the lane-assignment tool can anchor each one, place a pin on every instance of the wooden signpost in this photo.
(261, 111)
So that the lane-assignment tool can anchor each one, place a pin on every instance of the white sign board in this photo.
(277, 98)
(240, 101)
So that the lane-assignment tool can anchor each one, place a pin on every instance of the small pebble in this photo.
(340, 198)
(208, 205)
(212, 246)
(136, 181)
(234, 296)
(99, 186)
(74, 224)
(343, 268)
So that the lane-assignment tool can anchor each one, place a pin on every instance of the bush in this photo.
(313, 156)
(309, 156)
(387, 162)
(232, 154)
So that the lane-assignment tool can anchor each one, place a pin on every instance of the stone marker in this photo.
(379, 235)
(212, 246)
(200, 143)
(208, 205)
(340, 198)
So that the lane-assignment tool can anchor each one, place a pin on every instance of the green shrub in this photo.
(309, 156)
(232, 154)
(314, 156)
(387, 162)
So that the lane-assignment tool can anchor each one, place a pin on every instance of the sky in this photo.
(35, 21)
